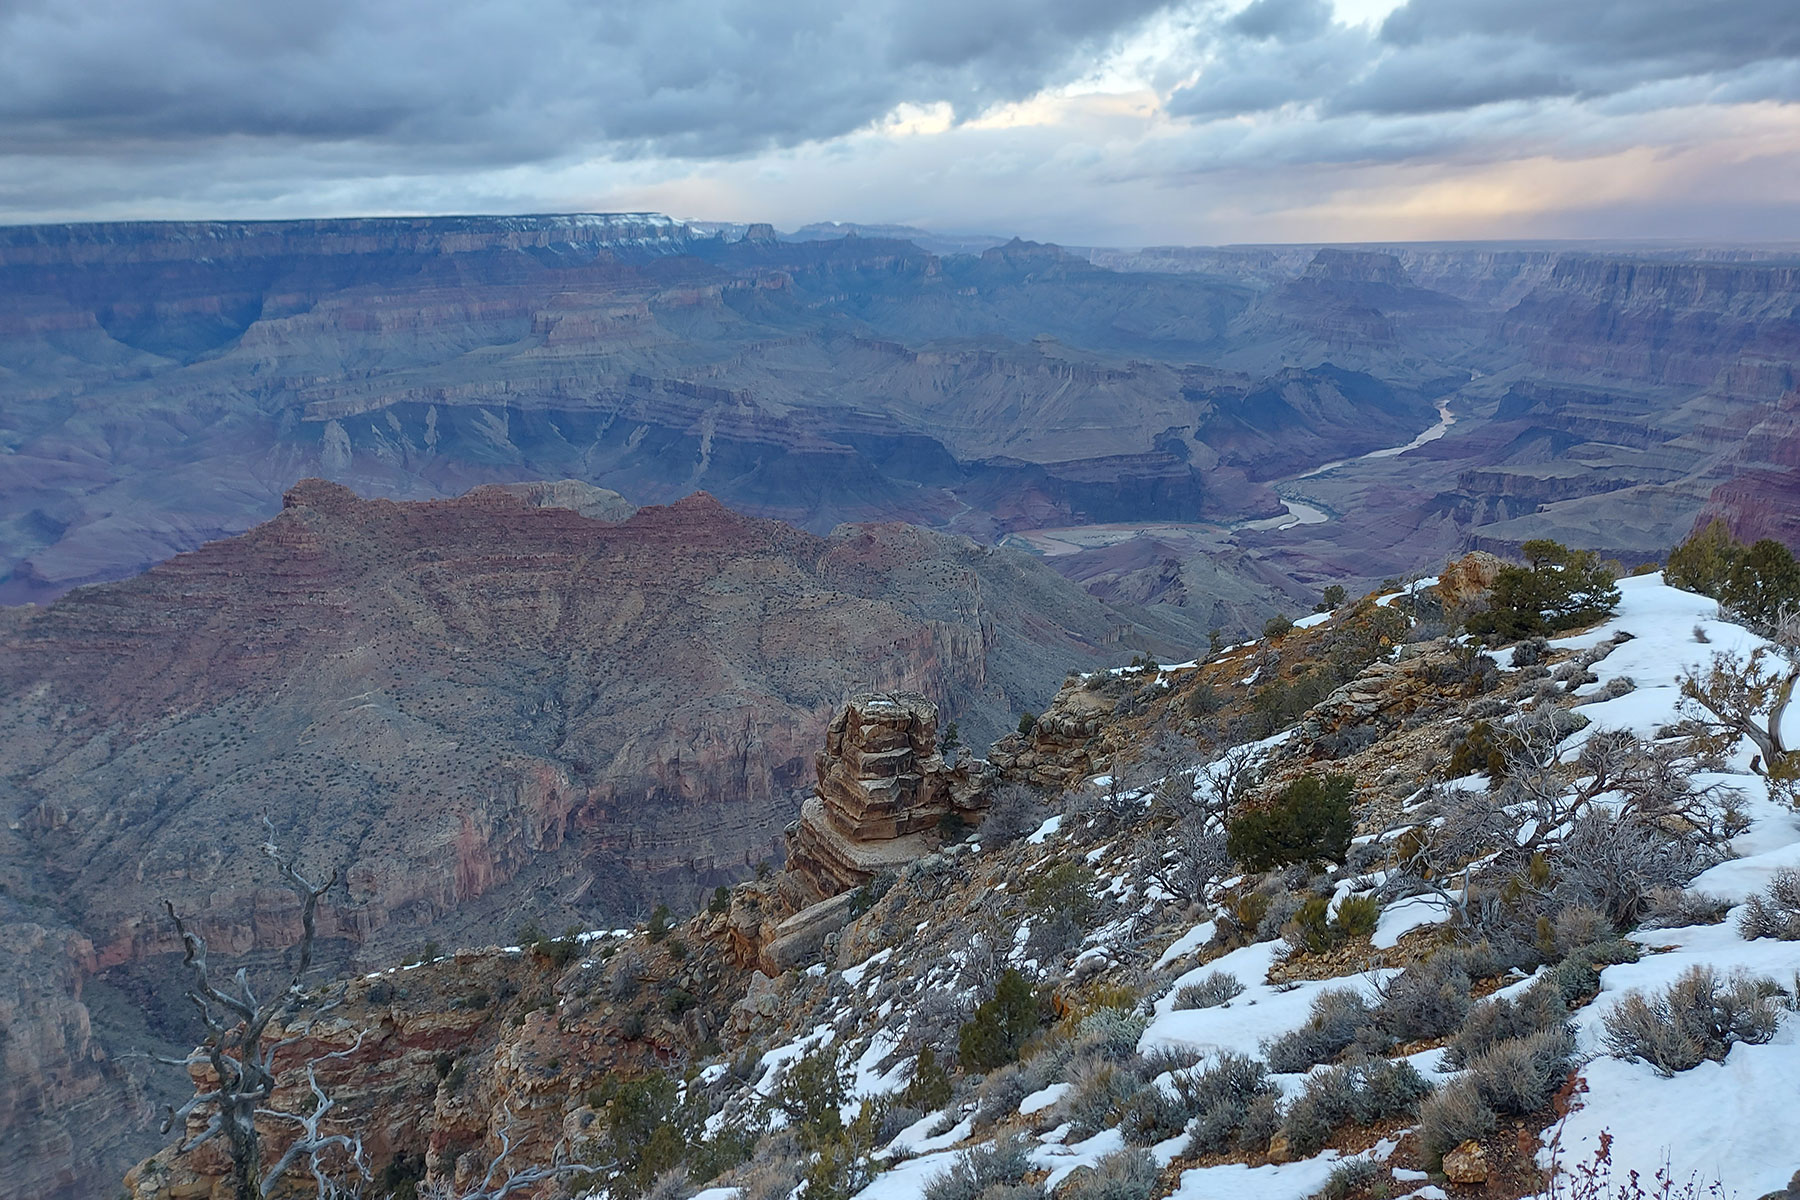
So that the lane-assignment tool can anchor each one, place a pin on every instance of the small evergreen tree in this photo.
(1764, 584)
(1704, 562)
(994, 1035)
(1557, 589)
(1310, 821)
(929, 1088)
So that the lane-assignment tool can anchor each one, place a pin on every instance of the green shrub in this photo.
(1277, 625)
(1110, 1031)
(1066, 888)
(1121, 1175)
(1310, 821)
(1558, 589)
(929, 1088)
(1217, 988)
(843, 1164)
(811, 1094)
(1202, 699)
(1337, 1016)
(1775, 911)
(1538, 1008)
(1363, 1092)
(659, 923)
(1703, 563)
(1518, 1076)
(645, 1127)
(1764, 583)
(1428, 999)
(1100, 1090)
(1356, 916)
(1482, 749)
(1002, 1162)
(1027, 722)
(1449, 1117)
(1310, 928)
(1222, 1097)
(1000, 1026)
(1351, 1176)
(558, 952)
(721, 900)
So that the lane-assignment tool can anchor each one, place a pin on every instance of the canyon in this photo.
(167, 383)
(519, 565)
(532, 703)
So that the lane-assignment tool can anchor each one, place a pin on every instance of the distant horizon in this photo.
(693, 222)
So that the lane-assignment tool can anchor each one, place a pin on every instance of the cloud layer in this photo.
(1118, 120)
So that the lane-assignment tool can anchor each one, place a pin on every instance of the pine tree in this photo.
(1764, 583)
(1705, 561)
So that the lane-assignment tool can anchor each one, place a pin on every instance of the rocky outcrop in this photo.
(1066, 744)
(884, 793)
(1467, 581)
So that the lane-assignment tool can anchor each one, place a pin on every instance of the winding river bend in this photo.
(1072, 540)
(1299, 512)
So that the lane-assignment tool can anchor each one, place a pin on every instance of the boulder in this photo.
(1467, 1163)
(800, 939)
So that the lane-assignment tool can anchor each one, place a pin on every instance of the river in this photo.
(1299, 512)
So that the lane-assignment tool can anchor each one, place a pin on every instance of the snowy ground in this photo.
(1737, 1121)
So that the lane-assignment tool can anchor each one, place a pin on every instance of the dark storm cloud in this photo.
(1443, 56)
(142, 108)
(1282, 20)
(507, 82)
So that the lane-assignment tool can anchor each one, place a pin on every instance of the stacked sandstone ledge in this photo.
(883, 794)
(885, 797)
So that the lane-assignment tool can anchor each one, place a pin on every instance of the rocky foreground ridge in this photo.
(533, 701)
(1441, 1005)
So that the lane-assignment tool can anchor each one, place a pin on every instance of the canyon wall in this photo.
(483, 710)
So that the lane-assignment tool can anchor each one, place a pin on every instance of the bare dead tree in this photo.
(1190, 857)
(1624, 803)
(1747, 696)
(1224, 780)
(237, 1099)
(242, 1062)
(497, 1186)
(314, 1141)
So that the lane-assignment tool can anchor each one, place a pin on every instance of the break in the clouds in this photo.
(1080, 120)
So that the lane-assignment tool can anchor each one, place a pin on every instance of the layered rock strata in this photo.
(884, 795)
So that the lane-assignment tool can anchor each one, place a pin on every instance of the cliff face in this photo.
(480, 709)
(1763, 472)
(1677, 323)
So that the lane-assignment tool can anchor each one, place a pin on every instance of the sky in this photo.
(1086, 122)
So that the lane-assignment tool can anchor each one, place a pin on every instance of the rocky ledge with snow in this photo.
(1541, 914)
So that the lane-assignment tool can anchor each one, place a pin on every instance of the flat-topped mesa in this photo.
(884, 793)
